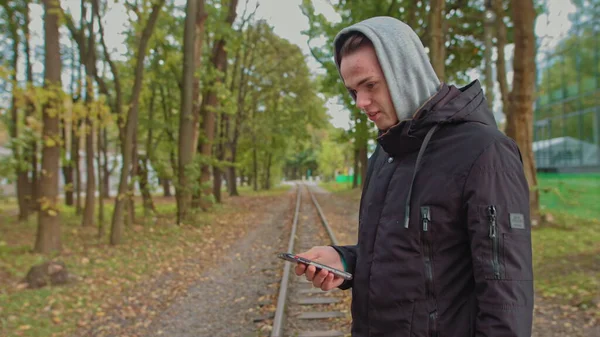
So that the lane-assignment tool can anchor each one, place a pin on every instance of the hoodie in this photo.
(444, 237)
(410, 83)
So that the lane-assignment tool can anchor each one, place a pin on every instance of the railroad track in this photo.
(303, 310)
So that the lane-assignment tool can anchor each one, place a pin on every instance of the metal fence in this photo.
(567, 109)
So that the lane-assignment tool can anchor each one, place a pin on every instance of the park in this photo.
(157, 155)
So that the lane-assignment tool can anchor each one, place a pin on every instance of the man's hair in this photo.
(352, 43)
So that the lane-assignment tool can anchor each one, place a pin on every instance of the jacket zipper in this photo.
(433, 324)
(494, 237)
(426, 221)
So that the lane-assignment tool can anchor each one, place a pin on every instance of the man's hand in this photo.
(324, 279)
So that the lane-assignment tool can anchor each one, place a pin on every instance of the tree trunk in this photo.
(166, 185)
(21, 171)
(219, 60)
(201, 16)
(101, 179)
(498, 8)
(76, 167)
(186, 118)
(356, 163)
(217, 171)
(268, 172)
(437, 48)
(522, 95)
(363, 158)
(48, 232)
(254, 165)
(67, 170)
(142, 172)
(131, 192)
(32, 148)
(105, 170)
(90, 180)
(116, 78)
(488, 27)
(132, 120)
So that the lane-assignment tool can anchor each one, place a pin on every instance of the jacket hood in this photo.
(403, 60)
(450, 105)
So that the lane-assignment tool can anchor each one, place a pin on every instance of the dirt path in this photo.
(216, 293)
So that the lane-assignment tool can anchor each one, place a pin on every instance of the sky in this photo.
(288, 22)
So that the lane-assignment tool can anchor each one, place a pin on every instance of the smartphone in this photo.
(298, 259)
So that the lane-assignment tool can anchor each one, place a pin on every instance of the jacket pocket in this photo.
(427, 250)
(494, 241)
(507, 253)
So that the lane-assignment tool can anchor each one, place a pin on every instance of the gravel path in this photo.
(225, 301)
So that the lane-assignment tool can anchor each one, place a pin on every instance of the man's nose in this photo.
(362, 101)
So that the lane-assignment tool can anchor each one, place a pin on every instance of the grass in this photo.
(575, 194)
(566, 260)
(566, 253)
(105, 272)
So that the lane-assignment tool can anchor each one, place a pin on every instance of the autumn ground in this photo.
(124, 290)
(216, 277)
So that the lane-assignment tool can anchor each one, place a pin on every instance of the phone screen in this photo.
(298, 259)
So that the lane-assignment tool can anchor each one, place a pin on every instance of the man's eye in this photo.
(370, 85)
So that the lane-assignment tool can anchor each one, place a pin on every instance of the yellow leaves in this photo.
(24, 327)
(52, 212)
(50, 142)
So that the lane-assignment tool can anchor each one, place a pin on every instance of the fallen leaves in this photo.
(154, 267)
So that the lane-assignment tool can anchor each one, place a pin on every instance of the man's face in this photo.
(363, 76)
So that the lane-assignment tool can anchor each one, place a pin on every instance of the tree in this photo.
(520, 121)
(116, 233)
(48, 233)
(186, 125)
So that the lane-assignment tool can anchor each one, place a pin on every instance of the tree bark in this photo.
(48, 232)
(488, 27)
(364, 158)
(90, 180)
(522, 95)
(217, 172)
(201, 16)
(76, 167)
(101, 179)
(437, 48)
(142, 172)
(21, 171)
(132, 120)
(219, 60)
(105, 170)
(186, 118)
(32, 148)
(356, 168)
(498, 8)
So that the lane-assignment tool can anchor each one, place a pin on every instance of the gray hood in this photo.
(404, 62)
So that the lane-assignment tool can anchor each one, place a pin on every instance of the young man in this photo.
(444, 244)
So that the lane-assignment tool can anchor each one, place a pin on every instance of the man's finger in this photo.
(310, 273)
(320, 277)
(326, 285)
(300, 269)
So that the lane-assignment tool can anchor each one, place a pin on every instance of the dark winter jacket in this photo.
(444, 245)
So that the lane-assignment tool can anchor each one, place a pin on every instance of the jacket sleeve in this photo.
(348, 256)
(496, 199)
